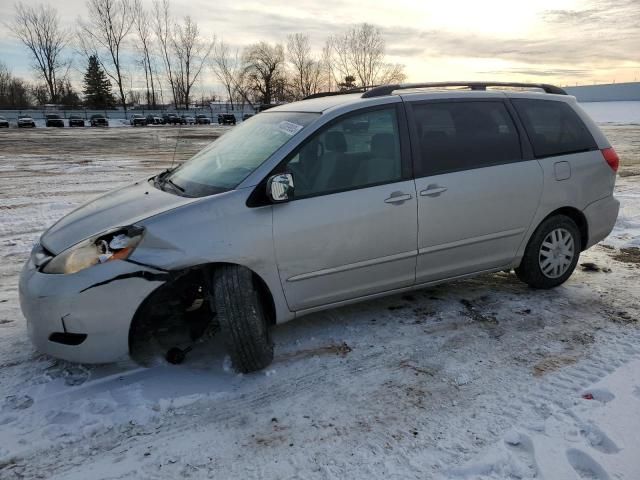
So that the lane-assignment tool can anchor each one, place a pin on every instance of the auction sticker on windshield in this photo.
(289, 128)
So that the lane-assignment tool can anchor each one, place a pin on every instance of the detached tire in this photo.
(242, 319)
(552, 253)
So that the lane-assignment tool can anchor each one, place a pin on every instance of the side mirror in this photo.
(280, 187)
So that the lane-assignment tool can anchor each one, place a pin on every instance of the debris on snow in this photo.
(18, 402)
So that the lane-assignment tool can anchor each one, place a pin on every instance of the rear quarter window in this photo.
(553, 127)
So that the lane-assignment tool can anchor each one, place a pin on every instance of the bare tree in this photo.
(14, 92)
(39, 29)
(191, 51)
(104, 35)
(226, 67)
(163, 25)
(242, 88)
(142, 27)
(360, 52)
(307, 70)
(264, 67)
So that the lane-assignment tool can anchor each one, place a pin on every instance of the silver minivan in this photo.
(315, 204)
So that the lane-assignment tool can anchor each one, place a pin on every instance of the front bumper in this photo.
(98, 302)
(601, 217)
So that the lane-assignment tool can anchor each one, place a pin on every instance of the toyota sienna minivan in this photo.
(297, 211)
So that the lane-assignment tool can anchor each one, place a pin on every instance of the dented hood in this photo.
(118, 208)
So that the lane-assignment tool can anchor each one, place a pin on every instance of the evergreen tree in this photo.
(348, 84)
(97, 87)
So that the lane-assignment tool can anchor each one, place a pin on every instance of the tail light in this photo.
(611, 157)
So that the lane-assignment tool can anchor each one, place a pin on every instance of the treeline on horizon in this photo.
(119, 39)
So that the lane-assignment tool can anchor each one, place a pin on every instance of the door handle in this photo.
(398, 197)
(433, 191)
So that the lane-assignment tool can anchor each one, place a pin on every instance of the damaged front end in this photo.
(117, 244)
(79, 304)
(174, 316)
(93, 303)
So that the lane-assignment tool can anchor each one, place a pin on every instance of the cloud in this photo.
(536, 72)
(590, 41)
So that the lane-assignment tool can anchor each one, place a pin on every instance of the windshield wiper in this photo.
(171, 182)
(160, 180)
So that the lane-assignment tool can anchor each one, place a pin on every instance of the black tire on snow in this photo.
(529, 270)
(242, 318)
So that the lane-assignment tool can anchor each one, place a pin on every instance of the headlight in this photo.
(115, 245)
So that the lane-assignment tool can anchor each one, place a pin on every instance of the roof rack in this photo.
(388, 89)
(341, 92)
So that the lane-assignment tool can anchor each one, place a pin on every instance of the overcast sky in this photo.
(557, 41)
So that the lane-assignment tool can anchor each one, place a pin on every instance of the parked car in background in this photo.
(99, 120)
(153, 120)
(202, 119)
(247, 116)
(25, 121)
(4, 123)
(76, 121)
(54, 120)
(187, 120)
(138, 119)
(226, 119)
(171, 119)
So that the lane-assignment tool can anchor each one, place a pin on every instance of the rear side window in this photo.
(457, 136)
(554, 128)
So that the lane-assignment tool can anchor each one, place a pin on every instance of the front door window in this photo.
(357, 151)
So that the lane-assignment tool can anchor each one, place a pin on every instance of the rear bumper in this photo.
(601, 217)
(85, 317)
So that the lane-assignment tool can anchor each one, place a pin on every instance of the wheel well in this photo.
(578, 217)
(263, 290)
(171, 302)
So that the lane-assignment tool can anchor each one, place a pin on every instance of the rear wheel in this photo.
(242, 319)
(552, 253)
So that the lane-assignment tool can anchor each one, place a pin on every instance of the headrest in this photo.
(335, 142)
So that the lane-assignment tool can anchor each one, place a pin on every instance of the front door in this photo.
(351, 229)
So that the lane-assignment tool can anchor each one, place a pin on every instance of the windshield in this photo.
(231, 158)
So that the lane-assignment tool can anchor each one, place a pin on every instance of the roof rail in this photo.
(342, 92)
(388, 89)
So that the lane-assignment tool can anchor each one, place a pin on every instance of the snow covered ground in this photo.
(477, 379)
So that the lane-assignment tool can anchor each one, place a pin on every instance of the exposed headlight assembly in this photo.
(114, 245)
